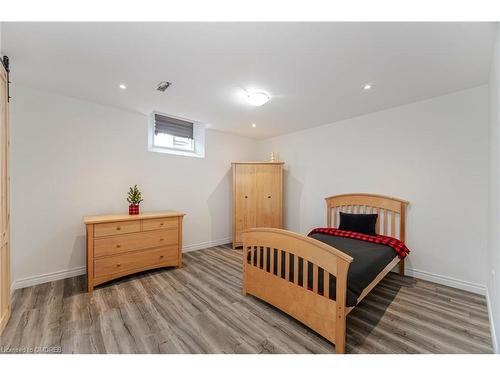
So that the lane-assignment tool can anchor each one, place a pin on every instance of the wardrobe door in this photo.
(244, 199)
(4, 204)
(269, 195)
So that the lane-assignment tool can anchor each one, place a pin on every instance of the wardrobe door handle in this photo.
(118, 228)
(269, 196)
(118, 265)
(246, 196)
(118, 246)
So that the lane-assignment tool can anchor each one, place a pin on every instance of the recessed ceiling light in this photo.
(123, 86)
(257, 98)
(254, 125)
(367, 86)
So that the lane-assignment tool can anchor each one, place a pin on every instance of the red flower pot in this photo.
(133, 209)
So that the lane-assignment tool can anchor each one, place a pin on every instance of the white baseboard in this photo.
(77, 271)
(446, 280)
(48, 277)
(204, 245)
(492, 323)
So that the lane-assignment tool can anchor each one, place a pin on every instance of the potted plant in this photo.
(134, 198)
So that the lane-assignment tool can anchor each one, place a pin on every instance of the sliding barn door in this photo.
(4, 203)
(269, 195)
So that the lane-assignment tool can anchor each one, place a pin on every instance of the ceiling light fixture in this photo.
(257, 98)
(254, 125)
(123, 86)
(368, 86)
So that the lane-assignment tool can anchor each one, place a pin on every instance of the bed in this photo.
(319, 279)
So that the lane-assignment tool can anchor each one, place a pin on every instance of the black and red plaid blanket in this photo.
(398, 246)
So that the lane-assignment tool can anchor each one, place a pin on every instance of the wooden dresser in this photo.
(118, 245)
(257, 197)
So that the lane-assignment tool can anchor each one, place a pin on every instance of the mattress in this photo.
(369, 259)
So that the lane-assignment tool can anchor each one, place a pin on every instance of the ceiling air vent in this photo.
(162, 86)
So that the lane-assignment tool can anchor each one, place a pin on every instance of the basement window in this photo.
(175, 135)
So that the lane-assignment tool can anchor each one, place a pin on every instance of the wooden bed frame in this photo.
(323, 315)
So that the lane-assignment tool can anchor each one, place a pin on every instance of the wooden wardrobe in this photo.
(4, 202)
(257, 197)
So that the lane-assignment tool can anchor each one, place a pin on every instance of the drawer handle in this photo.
(118, 228)
(161, 256)
(118, 265)
(161, 224)
(269, 196)
(161, 239)
(246, 196)
(118, 246)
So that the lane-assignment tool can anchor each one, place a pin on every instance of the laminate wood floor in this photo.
(200, 309)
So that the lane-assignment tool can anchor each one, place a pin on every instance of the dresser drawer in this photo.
(162, 223)
(134, 241)
(108, 229)
(122, 264)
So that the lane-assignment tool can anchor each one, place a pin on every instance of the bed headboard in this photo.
(391, 212)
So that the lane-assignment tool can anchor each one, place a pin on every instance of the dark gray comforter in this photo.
(369, 260)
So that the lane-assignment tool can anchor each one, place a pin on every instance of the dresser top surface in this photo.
(126, 217)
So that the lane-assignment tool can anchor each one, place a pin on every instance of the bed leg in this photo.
(244, 280)
(340, 344)
(402, 267)
(340, 318)
(244, 286)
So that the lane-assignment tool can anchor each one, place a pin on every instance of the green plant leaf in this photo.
(134, 195)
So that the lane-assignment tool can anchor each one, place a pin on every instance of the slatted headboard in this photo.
(391, 211)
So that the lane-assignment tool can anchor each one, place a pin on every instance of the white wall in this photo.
(432, 153)
(72, 158)
(494, 245)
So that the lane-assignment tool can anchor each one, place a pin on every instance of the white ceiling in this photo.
(313, 71)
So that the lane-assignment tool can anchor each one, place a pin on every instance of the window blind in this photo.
(173, 126)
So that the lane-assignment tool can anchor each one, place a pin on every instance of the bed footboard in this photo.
(276, 263)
